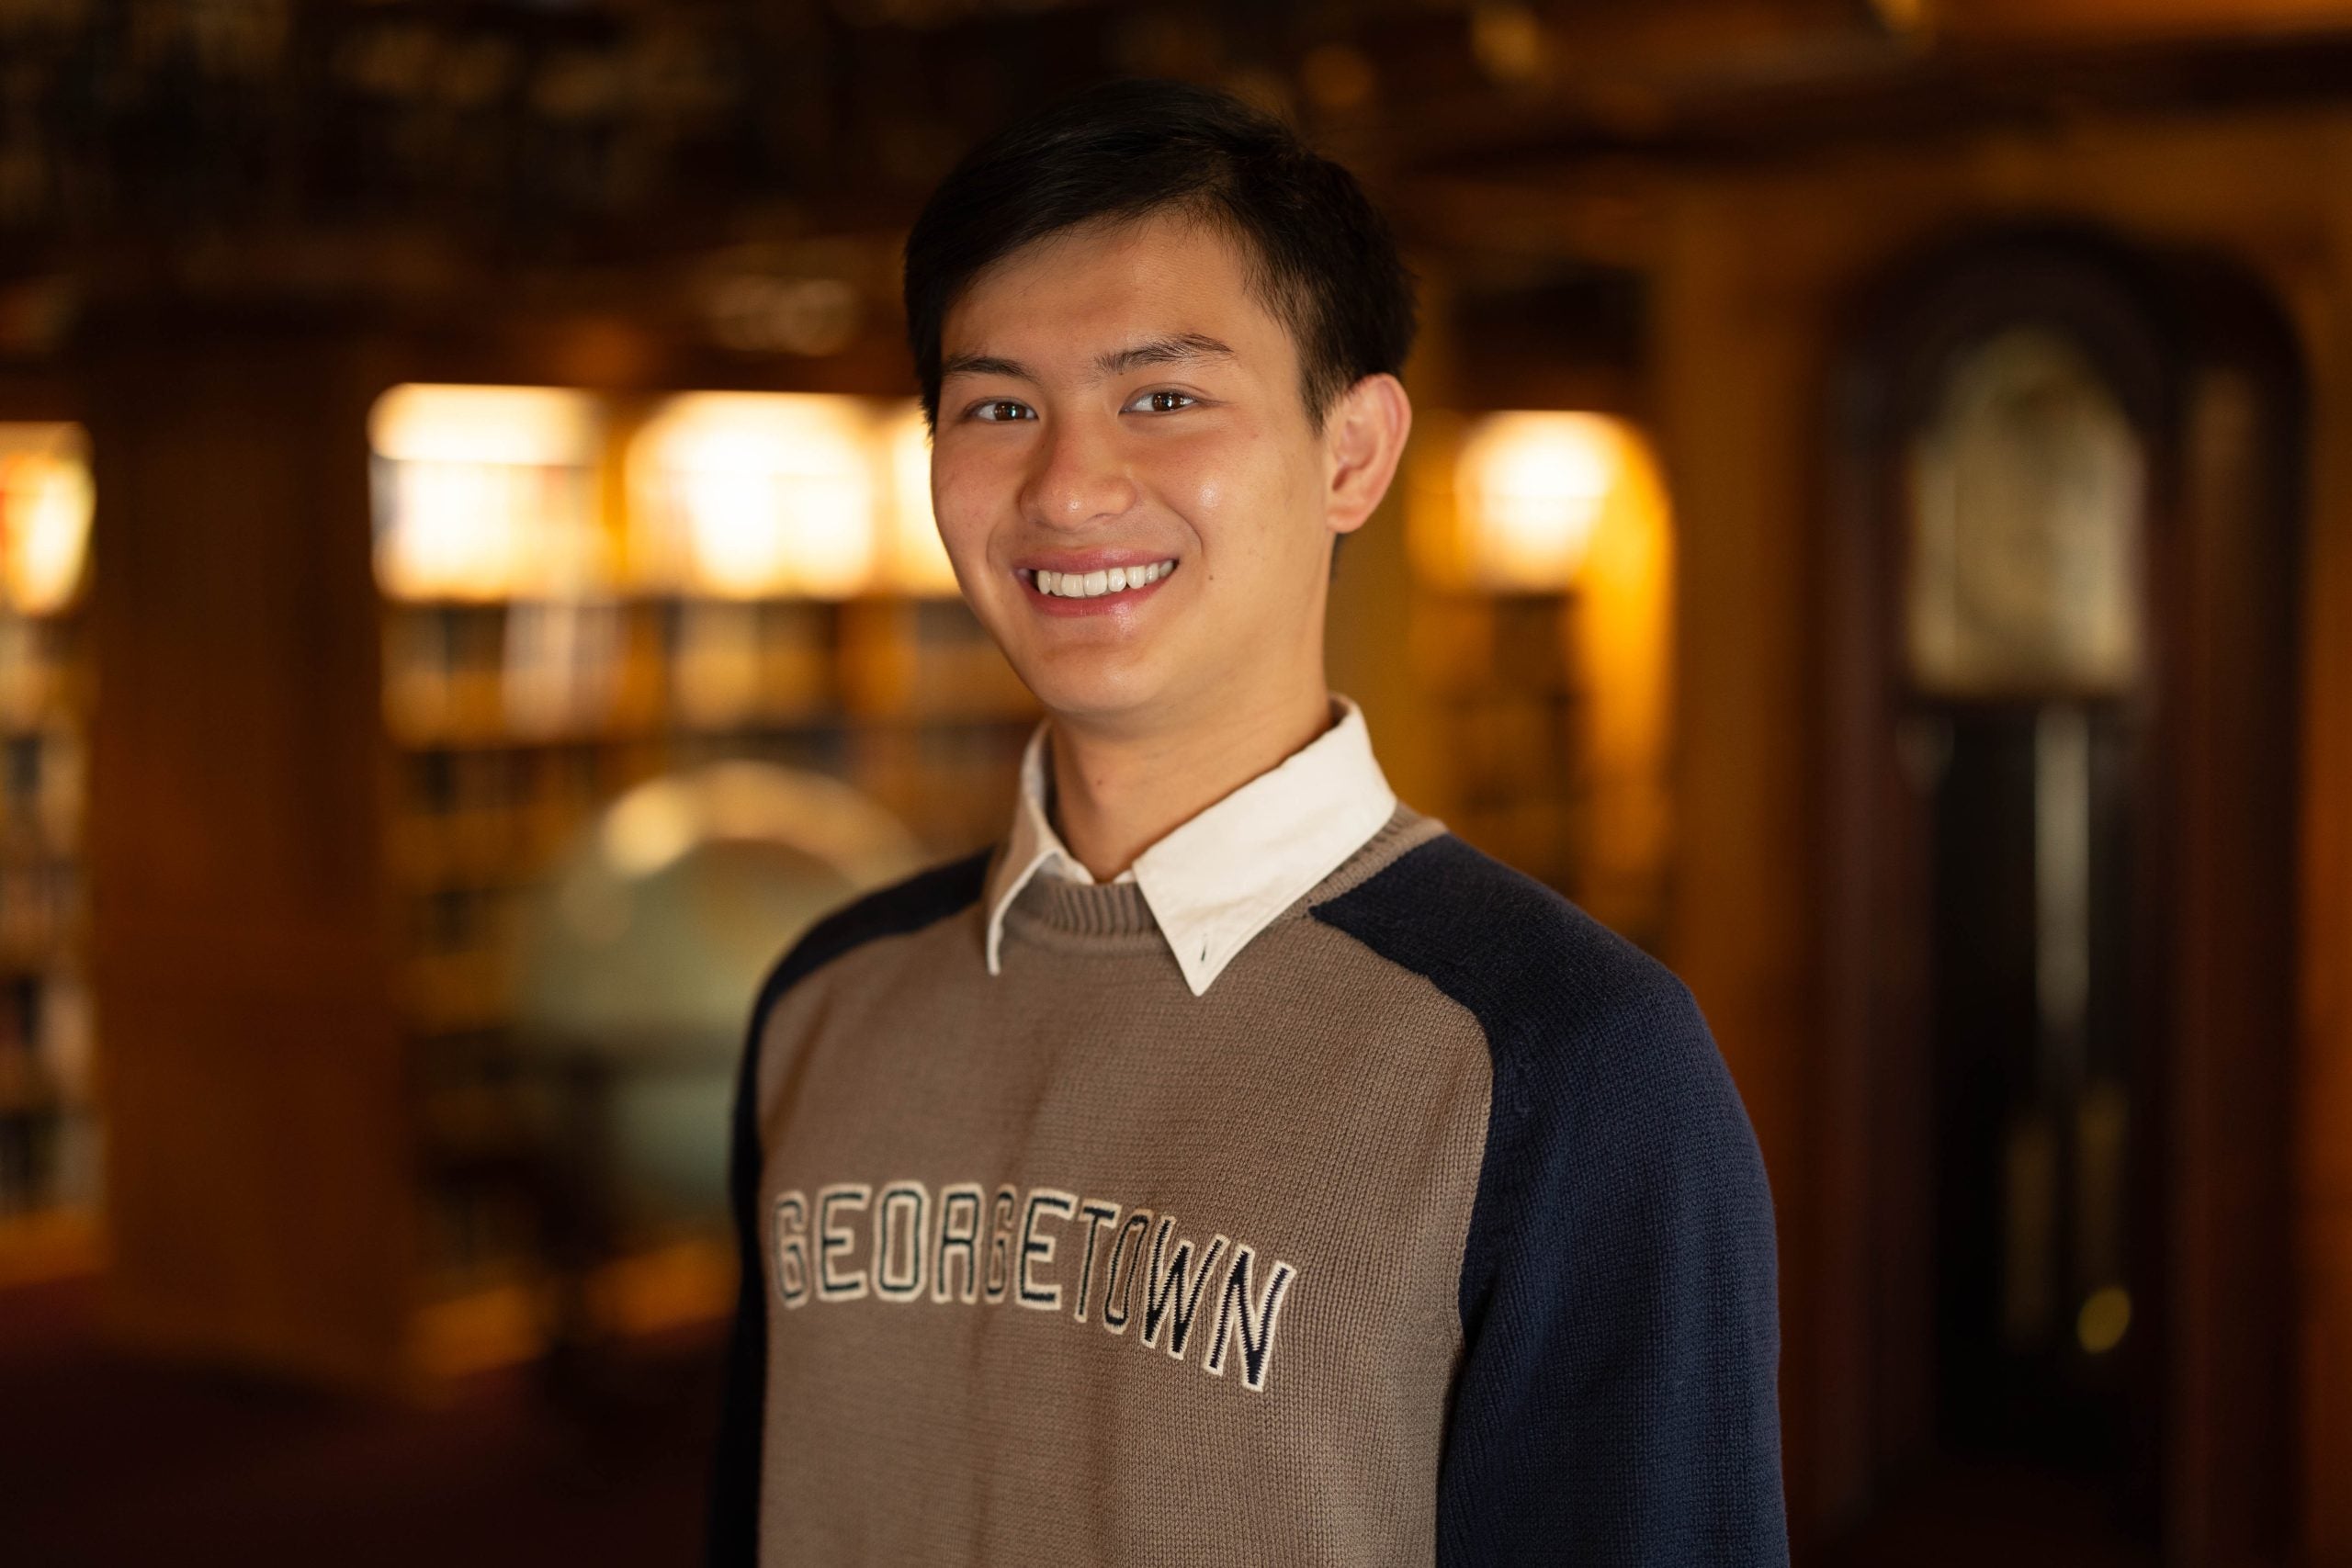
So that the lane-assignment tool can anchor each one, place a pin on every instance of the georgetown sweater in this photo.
(1432, 1232)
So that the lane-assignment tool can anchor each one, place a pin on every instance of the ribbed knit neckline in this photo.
(1114, 916)
(1086, 909)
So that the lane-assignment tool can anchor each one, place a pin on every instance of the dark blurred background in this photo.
(1878, 531)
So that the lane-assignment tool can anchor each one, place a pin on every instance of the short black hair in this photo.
(1320, 255)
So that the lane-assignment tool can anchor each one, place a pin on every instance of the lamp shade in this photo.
(1531, 488)
(753, 495)
(486, 492)
(44, 515)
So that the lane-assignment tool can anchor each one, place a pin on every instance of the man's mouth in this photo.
(1095, 584)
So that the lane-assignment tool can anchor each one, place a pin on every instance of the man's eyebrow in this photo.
(984, 365)
(1163, 351)
(1118, 361)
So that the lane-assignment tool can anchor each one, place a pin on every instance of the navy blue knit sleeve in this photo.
(908, 906)
(1616, 1404)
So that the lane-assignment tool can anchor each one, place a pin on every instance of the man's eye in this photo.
(1164, 402)
(997, 410)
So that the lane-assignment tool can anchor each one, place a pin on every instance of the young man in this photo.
(1233, 1167)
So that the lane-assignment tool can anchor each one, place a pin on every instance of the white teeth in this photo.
(1093, 584)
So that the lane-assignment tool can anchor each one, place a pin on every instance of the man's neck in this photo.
(1116, 795)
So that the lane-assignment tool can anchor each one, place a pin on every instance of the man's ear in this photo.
(1363, 437)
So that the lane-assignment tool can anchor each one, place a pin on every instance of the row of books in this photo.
(42, 675)
(41, 913)
(48, 1117)
(1505, 694)
(537, 673)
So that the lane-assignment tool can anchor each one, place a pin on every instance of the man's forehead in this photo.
(1084, 296)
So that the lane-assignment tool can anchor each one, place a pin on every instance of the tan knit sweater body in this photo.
(1024, 1400)
(1433, 1231)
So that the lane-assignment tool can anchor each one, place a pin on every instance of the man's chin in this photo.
(1111, 695)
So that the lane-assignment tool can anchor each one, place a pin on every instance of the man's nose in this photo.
(1079, 475)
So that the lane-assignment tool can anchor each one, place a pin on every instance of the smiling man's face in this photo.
(1137, 505)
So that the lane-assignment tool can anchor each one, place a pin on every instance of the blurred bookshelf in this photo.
(1539, 635)
(49, 1119)
(1506, 696)
(580, 595)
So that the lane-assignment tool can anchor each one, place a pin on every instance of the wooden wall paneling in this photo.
(2233, 1034)
(2317, 287)
(258, 1182)
(1737, 332)
(2047, 22)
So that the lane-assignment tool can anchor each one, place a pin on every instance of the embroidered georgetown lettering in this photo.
(900, 1246)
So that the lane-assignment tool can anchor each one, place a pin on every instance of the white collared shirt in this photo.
(1219, 879)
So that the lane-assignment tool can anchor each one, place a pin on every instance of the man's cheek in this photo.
(963, 528)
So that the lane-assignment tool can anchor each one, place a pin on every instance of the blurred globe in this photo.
(641, 957)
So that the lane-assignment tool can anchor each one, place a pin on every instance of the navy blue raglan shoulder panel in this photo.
(921, 900)
(1616, 1402)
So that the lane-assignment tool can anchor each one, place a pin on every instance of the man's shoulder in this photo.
(1608, 1090)
(1539, 972)
(898, 908)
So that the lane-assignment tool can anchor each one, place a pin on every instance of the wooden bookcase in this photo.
(46, 1100)
(1539, 632)
(48, 1125)
(1505, 697)
(514, 717)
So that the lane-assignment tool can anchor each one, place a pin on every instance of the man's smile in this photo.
(1092, 582)
(1095, 583)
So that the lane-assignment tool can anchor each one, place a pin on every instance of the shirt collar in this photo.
(1217, 880)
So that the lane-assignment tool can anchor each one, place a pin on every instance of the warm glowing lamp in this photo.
(919, 562)
(751, 495)
(485, 493)
(1531, 488)
(1560, 503)
(44, 515)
